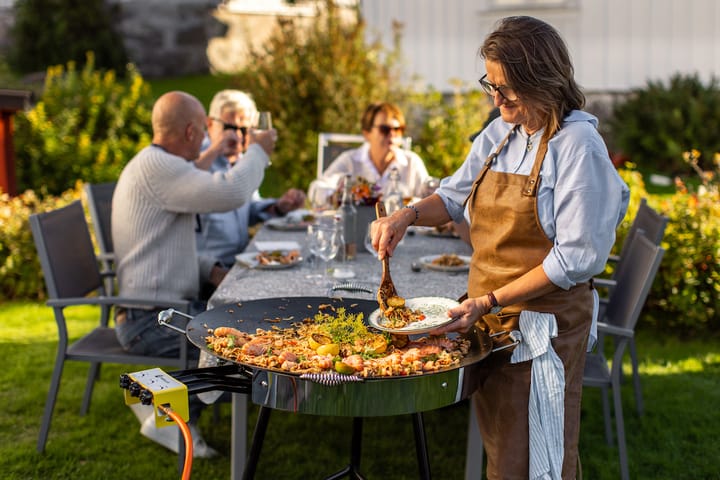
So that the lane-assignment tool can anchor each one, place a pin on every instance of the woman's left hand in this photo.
(465, 315)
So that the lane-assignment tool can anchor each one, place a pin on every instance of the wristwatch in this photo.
(495, 307)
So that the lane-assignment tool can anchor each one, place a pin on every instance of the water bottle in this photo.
(394, 197)
(348, 214)
(341, 268)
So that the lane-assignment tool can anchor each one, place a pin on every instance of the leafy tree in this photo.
(52, 32)
(315, 80)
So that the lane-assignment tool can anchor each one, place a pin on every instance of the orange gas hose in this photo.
(187, 436)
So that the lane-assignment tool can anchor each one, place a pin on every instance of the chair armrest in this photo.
(613, 330)
(604, 282)
(613, 258)
(106, 257)
(181, 305)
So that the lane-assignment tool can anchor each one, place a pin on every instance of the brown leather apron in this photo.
(508, 241)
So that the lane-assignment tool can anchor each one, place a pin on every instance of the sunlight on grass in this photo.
(25, 322)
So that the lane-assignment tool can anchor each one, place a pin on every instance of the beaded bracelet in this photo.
(417, 213)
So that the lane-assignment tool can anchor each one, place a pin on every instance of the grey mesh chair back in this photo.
(651, 222)
(66, 250)
(619, 320)
(70, 267)
(99, 197)
(331, 145)
(651, 225)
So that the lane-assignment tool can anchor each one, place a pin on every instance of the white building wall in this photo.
(615, 44)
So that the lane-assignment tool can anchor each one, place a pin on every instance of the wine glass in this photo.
(264, 121)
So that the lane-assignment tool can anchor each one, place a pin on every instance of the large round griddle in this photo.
(376, 396)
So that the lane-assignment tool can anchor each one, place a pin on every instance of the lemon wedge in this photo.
(344, 368)
(317, 339)
(328, 349)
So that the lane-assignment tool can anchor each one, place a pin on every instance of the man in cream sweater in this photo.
(153, 223)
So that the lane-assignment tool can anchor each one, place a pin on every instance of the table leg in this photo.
(474, 451)
(421, 446)
(238, 438)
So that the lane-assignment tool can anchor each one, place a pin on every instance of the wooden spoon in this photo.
(387, 287)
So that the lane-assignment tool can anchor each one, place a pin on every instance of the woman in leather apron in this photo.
(543, 201)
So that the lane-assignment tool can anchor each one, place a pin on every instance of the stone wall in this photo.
(169, 37)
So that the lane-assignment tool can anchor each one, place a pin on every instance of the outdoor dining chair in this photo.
(618, 320)
(650, 224)
(72, 277)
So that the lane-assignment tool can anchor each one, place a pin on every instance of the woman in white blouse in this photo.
(383, 126)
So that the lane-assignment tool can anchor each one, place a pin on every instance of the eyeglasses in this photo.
(505, 92)
(386, 129)
(230, 126)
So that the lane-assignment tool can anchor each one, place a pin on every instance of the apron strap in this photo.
(489, 161)
(533, 180)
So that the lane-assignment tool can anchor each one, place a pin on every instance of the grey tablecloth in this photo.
(243, 283)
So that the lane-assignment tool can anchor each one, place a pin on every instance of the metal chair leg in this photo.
(620, 427)
(636, 379)
(93, 375)
(50, 401)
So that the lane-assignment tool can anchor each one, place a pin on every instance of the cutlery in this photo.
(387, 287)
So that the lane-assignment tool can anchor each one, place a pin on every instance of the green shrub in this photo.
(53, 32)
(20, 275)
(686, 291)
(659, 122)
(87, 126)
(313, 80)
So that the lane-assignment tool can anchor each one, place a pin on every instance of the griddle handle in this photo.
(165, 316)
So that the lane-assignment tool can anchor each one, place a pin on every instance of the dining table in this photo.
(412, 271)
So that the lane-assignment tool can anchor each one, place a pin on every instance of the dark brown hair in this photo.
(390, 110)
(537, 65)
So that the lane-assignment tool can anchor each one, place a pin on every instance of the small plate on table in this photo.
(296, 220)
(434, 309)
(276, 259)
(447, 262)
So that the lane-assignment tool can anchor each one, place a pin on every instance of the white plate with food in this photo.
(447, 262)
(294, 221)
(425, 314)
(270, 259)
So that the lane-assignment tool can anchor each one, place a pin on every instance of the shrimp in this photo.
(355, 361)
(287, 356)
(227, 331)
(323, 362)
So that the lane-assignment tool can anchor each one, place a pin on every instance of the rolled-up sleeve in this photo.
(589, 200)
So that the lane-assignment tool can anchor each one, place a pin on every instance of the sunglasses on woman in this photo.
(386, 129)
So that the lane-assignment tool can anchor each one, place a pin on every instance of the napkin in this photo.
(269, 246)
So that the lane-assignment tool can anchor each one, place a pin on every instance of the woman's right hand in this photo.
(386, 232)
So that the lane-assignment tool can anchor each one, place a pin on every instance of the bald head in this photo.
(178, 121)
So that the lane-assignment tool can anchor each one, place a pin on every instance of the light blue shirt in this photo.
(223, 235)
(581, 198)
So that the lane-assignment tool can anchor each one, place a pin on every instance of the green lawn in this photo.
(677, 438)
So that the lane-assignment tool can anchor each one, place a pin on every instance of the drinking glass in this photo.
(264, 121)
(323, 244)
(368, 242)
